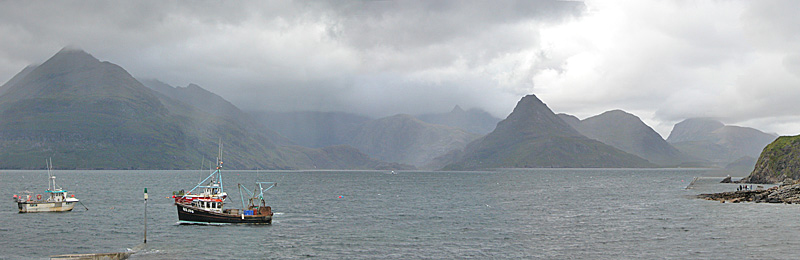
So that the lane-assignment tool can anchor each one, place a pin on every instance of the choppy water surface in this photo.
(538, 213)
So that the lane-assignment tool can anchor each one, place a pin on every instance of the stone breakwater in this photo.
(779, 194)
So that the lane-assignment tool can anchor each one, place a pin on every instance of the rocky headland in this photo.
(778, 161)
(789, 192)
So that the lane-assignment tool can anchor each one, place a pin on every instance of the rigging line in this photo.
(83, 205)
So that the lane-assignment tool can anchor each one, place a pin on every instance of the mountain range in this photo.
(474, 120)
(628, 133)
(532, 136)
(399, 138)
(311, 128)
(405, 139)
(88, 114)
(716, 142)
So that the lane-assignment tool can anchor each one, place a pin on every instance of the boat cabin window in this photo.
(207, 204)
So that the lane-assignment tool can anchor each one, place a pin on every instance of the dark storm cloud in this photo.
(406, 24)
(374, 57)
(662, 60)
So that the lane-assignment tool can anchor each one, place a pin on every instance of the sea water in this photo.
(516, 213)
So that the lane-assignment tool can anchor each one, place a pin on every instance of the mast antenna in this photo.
(51, 184)
(219, 167)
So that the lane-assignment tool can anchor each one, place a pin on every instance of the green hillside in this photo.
(778, 161)
(86, 114)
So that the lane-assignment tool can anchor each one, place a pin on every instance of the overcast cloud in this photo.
(664, 61)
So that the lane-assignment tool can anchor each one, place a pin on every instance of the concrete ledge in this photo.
(97, 256)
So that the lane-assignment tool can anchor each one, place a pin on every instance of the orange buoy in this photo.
(38, 196)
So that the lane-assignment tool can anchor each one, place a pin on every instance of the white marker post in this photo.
(145, 215)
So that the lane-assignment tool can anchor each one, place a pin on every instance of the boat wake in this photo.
(142, 250)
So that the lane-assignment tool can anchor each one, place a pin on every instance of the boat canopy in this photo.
(56, 191)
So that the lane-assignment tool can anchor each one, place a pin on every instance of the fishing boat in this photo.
(56, 199)
(204, 204)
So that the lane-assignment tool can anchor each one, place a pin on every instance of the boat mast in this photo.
(219, 167)
(51, 184)
(213, 179)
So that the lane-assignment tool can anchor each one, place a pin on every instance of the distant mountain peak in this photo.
(617, 117)
(71, 47)
(618, 112)
(627, 132)
(621, 115)
(73, 54)
(67, 60)
(75, 74)
(694, 129)
(457, 110)
(531, 100)
(716, 142)
(702, 120)
(706, 123)
(194, 86)
(536, 118)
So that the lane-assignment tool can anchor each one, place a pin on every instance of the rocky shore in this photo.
(788, 193)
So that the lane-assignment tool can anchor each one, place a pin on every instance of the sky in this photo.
(664, 61)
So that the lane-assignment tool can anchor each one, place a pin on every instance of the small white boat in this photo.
(55, 199)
